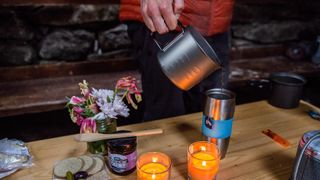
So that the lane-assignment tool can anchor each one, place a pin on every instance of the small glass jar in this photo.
(105, 126)
(122, 155)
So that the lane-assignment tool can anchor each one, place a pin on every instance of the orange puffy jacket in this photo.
(207, 16)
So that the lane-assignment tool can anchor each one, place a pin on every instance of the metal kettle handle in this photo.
(172, 42)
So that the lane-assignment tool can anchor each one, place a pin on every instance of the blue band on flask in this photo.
(216, 128)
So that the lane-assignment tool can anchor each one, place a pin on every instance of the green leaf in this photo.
(88, 113)
(108, 99)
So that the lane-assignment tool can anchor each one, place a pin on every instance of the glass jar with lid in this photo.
(122, 155)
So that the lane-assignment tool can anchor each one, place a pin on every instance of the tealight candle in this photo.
(203, 161)
(153, 166)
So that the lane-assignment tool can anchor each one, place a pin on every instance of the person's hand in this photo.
(161, 15)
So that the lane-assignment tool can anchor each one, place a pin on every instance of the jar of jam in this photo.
(122, 155)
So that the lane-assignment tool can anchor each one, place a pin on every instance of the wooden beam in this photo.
(112, 65)
(256, 51)
(45, 94)
(66, 69)
(40, 95)
(56, 2)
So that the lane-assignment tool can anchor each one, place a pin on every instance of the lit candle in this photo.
(203, 161)
(153, 166)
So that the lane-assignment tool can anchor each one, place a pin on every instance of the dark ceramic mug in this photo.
(286, 89)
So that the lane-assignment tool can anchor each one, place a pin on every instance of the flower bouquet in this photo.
(98, 109)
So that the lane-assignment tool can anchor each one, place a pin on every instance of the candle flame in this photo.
(202, 148)
(204, 163)
(154, 159)
(153, 176)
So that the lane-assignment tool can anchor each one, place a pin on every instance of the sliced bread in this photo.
(98, 165)
(72, 164)
(88, 162)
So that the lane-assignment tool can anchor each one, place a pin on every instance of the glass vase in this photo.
(105, 126)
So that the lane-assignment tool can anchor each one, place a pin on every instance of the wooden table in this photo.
(251, 155)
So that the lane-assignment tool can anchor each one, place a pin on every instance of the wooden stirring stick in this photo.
(313, 107)
(90, 137)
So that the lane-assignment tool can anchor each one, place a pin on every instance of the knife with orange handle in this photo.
(277, 138)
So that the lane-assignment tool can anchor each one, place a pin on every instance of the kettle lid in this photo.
(314, 147)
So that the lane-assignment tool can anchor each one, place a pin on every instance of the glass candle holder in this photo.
(153, 166)
(203, 161)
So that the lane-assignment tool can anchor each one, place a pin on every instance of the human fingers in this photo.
(146, 18)
(157, 19)
(166, 10)
(178, 6)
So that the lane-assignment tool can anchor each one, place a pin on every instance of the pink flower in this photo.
(130, 101)
(84, 87)
(73, 117)
(94, 108)
(102, 103)
(129, 84)
(76, 100)
(78, 110)
(79, 119)
(75, 114)
(88, 125)
(138, 97)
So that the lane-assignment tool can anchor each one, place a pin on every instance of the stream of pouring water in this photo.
(222, 83)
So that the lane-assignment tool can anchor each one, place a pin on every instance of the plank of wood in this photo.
(64, 69)
(58, 69)
(251, 155)
(243, 70)
(57, 81)
(257, 51)
(40, 95)
(56, 2)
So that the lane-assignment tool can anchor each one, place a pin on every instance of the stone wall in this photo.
(47, 34)
(276, 21)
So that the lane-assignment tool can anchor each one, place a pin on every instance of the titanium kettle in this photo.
(187, 59)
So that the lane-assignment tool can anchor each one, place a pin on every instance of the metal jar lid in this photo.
(314, 147)
(123, 145)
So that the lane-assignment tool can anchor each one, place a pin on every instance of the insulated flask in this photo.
(307, 162)
(218, 117)
(187, 59)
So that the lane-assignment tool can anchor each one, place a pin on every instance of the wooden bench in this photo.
(39, 88)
